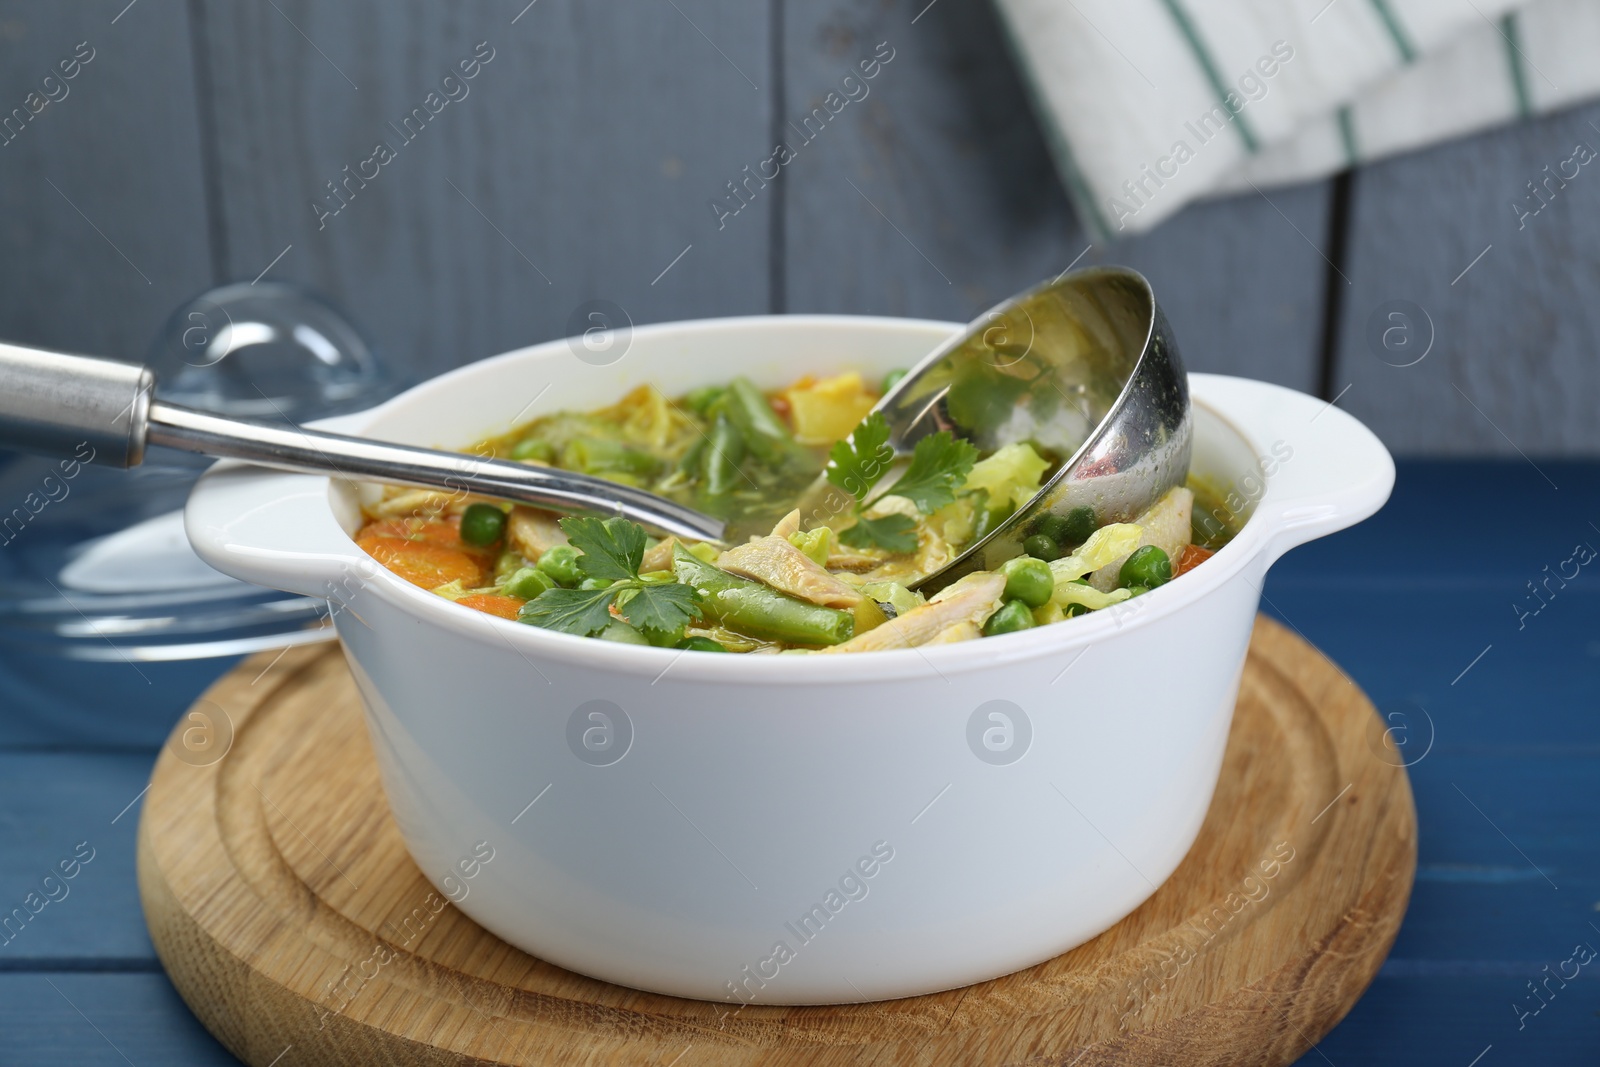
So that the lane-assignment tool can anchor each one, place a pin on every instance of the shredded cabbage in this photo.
(1011, 474)
(1104, 545)
(895, 595)
(703, 552)
(1087, 595)
(815, 544)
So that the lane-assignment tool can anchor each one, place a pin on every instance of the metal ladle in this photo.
(56, 404)
(1085, 367)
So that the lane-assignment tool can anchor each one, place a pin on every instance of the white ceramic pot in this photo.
(792, 829)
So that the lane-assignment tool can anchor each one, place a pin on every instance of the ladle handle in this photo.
(60, 405)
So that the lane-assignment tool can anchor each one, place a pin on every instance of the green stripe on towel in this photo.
(1181, 18)
(1402, 41)
(1347, 134)
(1514, 62)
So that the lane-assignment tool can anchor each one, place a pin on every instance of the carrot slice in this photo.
(437, 531)
(424, 563)
(1191, 557)
(506, 607)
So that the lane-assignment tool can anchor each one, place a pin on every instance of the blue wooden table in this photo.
(1491, 693)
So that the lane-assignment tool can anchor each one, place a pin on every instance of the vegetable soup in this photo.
(817, 565)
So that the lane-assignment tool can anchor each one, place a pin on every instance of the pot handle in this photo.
(275, 528)
(1324, 470)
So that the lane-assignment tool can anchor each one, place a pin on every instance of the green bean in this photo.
(561, 563)
(694, 458)
(755, 609)
(722, 456)
(596, 455)
(482, 524)
(533, 448)
(1014, 616)
(765, 434)
(986, 519)
(700, 400)
(1147, 566)
(1028, 580)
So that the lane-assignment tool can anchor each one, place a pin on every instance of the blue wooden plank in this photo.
(1453, 1020)
(102, 1019)
(54, 703)
(577, 164)
(1474, 520)
(67, 886)
(933, 195)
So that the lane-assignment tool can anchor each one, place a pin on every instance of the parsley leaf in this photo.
(939, 466)
(612, 548)
(659, 607)
(860, 460)
(896, 533)
(570, 611)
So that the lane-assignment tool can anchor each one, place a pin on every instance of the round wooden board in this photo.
(249, 868)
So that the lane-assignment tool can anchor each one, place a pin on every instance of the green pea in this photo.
(669, 639)
(561, 563)
(528, 582)
(1052, 526)
(700, 644)
(482, 524)
(1042, 546)
(1028, 580)
(1148, 566)
(700, 400)
(1072, 611)
(1014, 616)
(620, 632)
(534, 448)
(1073, 528)
(1081, 525)
(590, 584)
(892, 379)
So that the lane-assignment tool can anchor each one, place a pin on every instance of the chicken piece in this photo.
(775, 562)
(846, 559)
(961, 631)
(970, 600)
(789, 524)
(658, 558)
(1165, 525)
(533, 532)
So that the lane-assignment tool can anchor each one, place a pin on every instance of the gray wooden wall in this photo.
(190, 149)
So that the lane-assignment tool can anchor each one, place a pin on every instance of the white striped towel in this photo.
(1150, 104)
